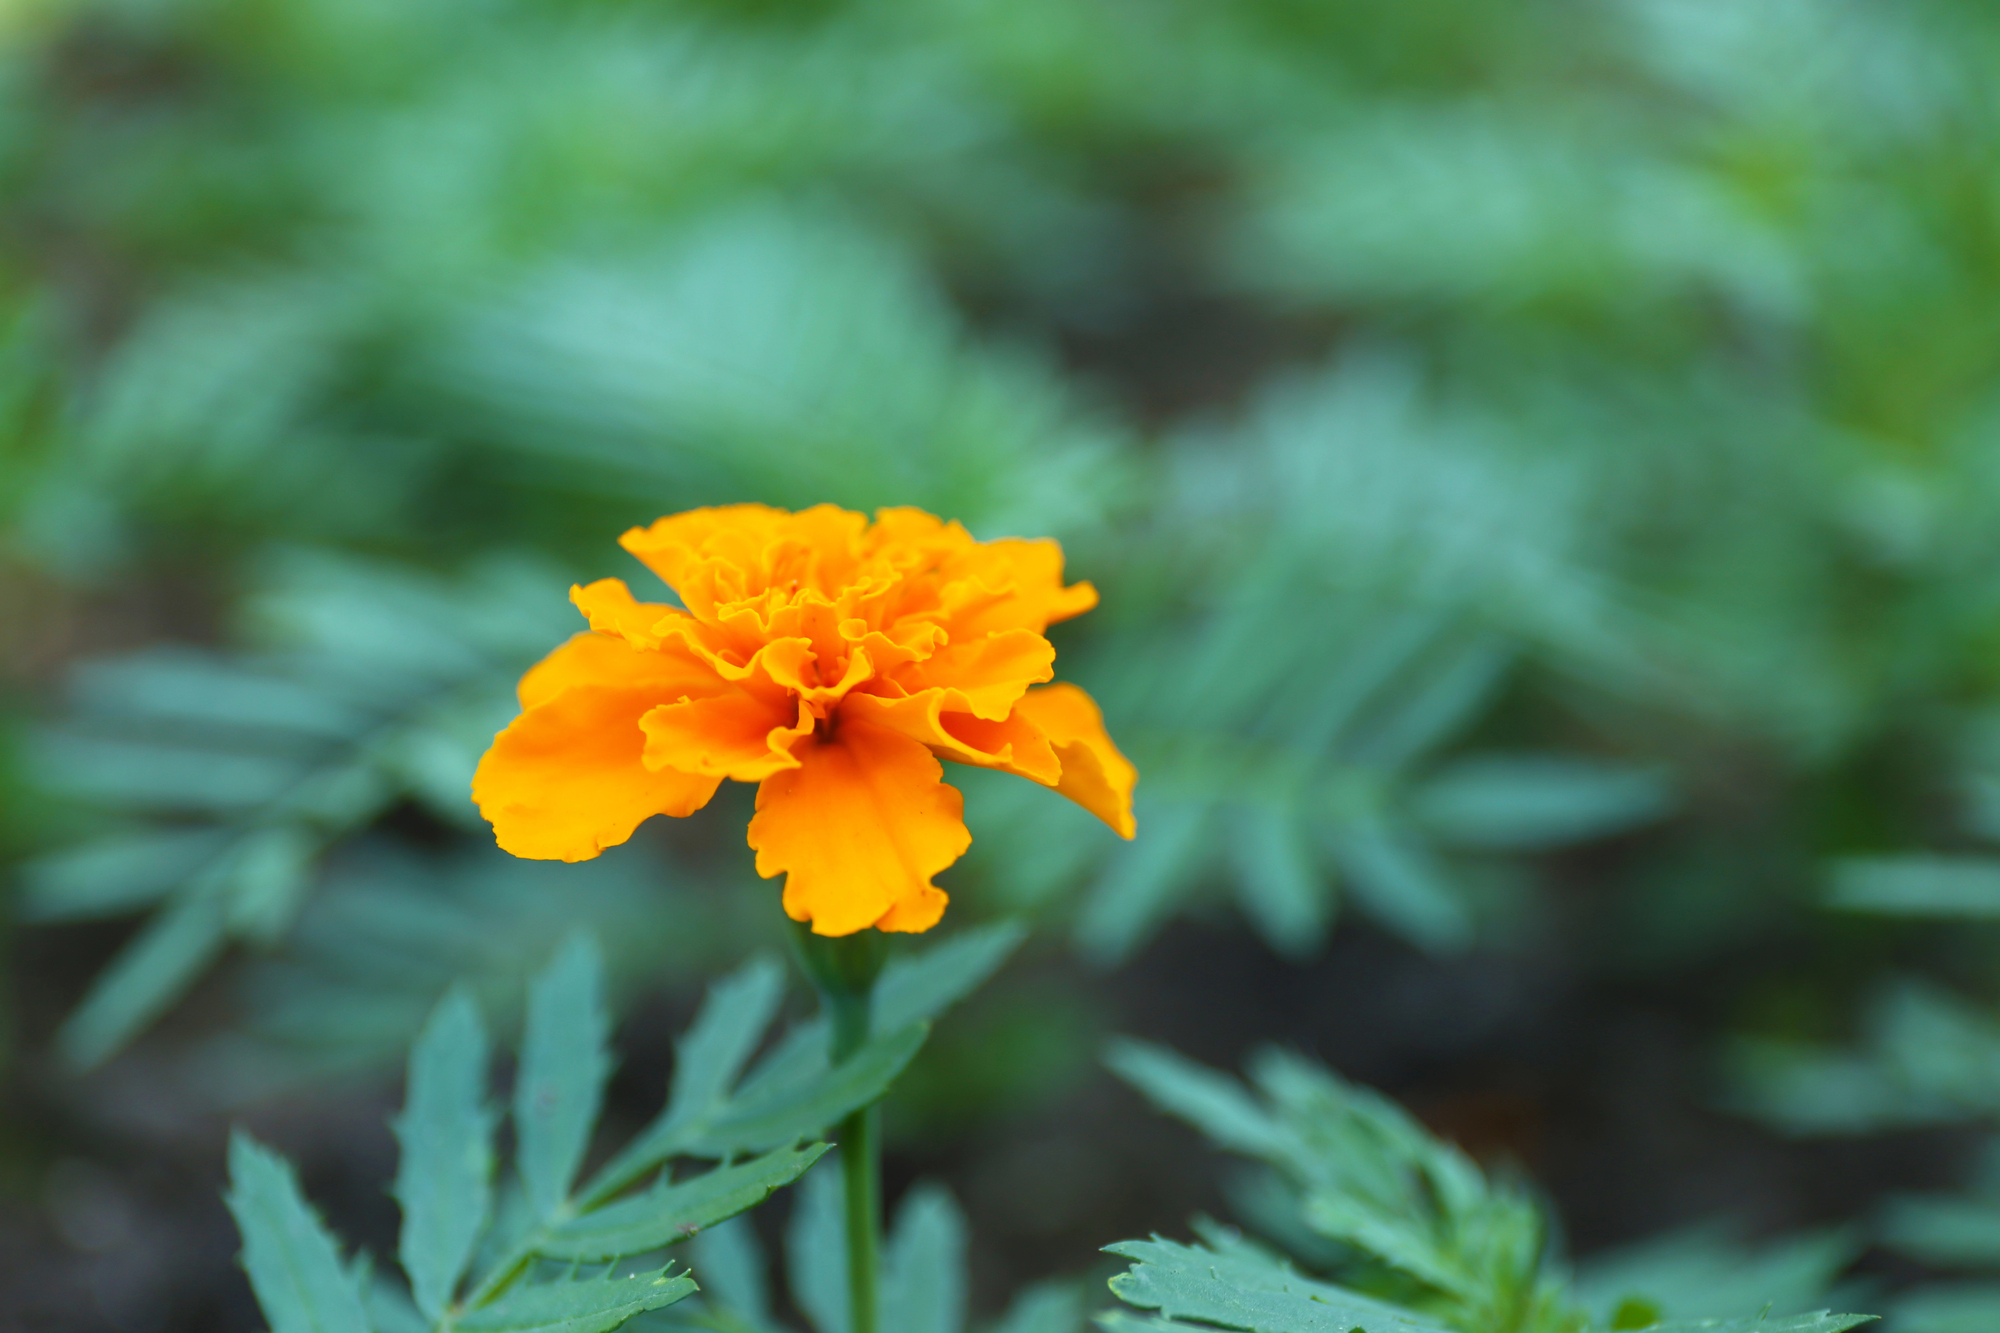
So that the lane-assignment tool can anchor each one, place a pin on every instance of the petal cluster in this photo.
(833, 662)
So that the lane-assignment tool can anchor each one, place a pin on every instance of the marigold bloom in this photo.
(833, 662)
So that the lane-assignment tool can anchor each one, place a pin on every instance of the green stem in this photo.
(861, 1169)
(844, 971)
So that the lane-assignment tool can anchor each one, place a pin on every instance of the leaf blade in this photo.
(755, 1124)
(923, 1265)
(1188, 1282)
(1958, 887)
(564, 1065)
(815, 1254)
(292, 1261)
(444, 1180)
(144, 979)
(672, 1213)
(587, 1305)
(1279, 885)
(732, 1018)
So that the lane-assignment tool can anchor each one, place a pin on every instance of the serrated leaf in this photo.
(147, 974)
(759, 1121)
(911, 989)
(1366, 1179)
(579, 1305)
(669, 1213)
(293, 1264)
(1124, 1321)
(444, 1180)
(816, 1253)
(1408, 1244)
(919, 987)
(1822, 1322)
(725, 1032)
(564, 1064)
(1713, 1271)
(1187, 1282)
(1963, 887)
(768, 1112)
(1214, 1103)
(732, 1020)
(923, 1265)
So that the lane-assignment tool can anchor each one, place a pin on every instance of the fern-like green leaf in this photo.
(446, 1131)
(293, 1264)
(1189, 1283)
(1402, 1231)
(672, 1212)
(560, 1083)
(578, 1305)
(444, 1182)
(732, 1021)
(923, 1264)
(146, 977)
(1823, 1321)
(816, 1255)
(1714, 1271)
(912, 989)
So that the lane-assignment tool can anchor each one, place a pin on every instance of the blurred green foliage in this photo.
(1497, 430)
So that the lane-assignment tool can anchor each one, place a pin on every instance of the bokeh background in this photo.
(1541, 459)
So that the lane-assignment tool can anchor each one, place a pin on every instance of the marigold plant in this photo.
(832, 661)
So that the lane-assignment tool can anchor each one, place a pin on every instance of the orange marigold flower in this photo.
(833, 662)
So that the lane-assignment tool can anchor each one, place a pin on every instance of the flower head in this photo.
(833, 662)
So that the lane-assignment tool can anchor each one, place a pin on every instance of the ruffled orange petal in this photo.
(680, 546)
(989, 674)
(1012, 745)
(566, 780)
(1094, 774)
(1011, 584)
(718, 557)
(742, 734)
(902, 644)
(612, 609)
(914, 915)
(905, 538)
(603, 659)
(858, 829)
(778, 660)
